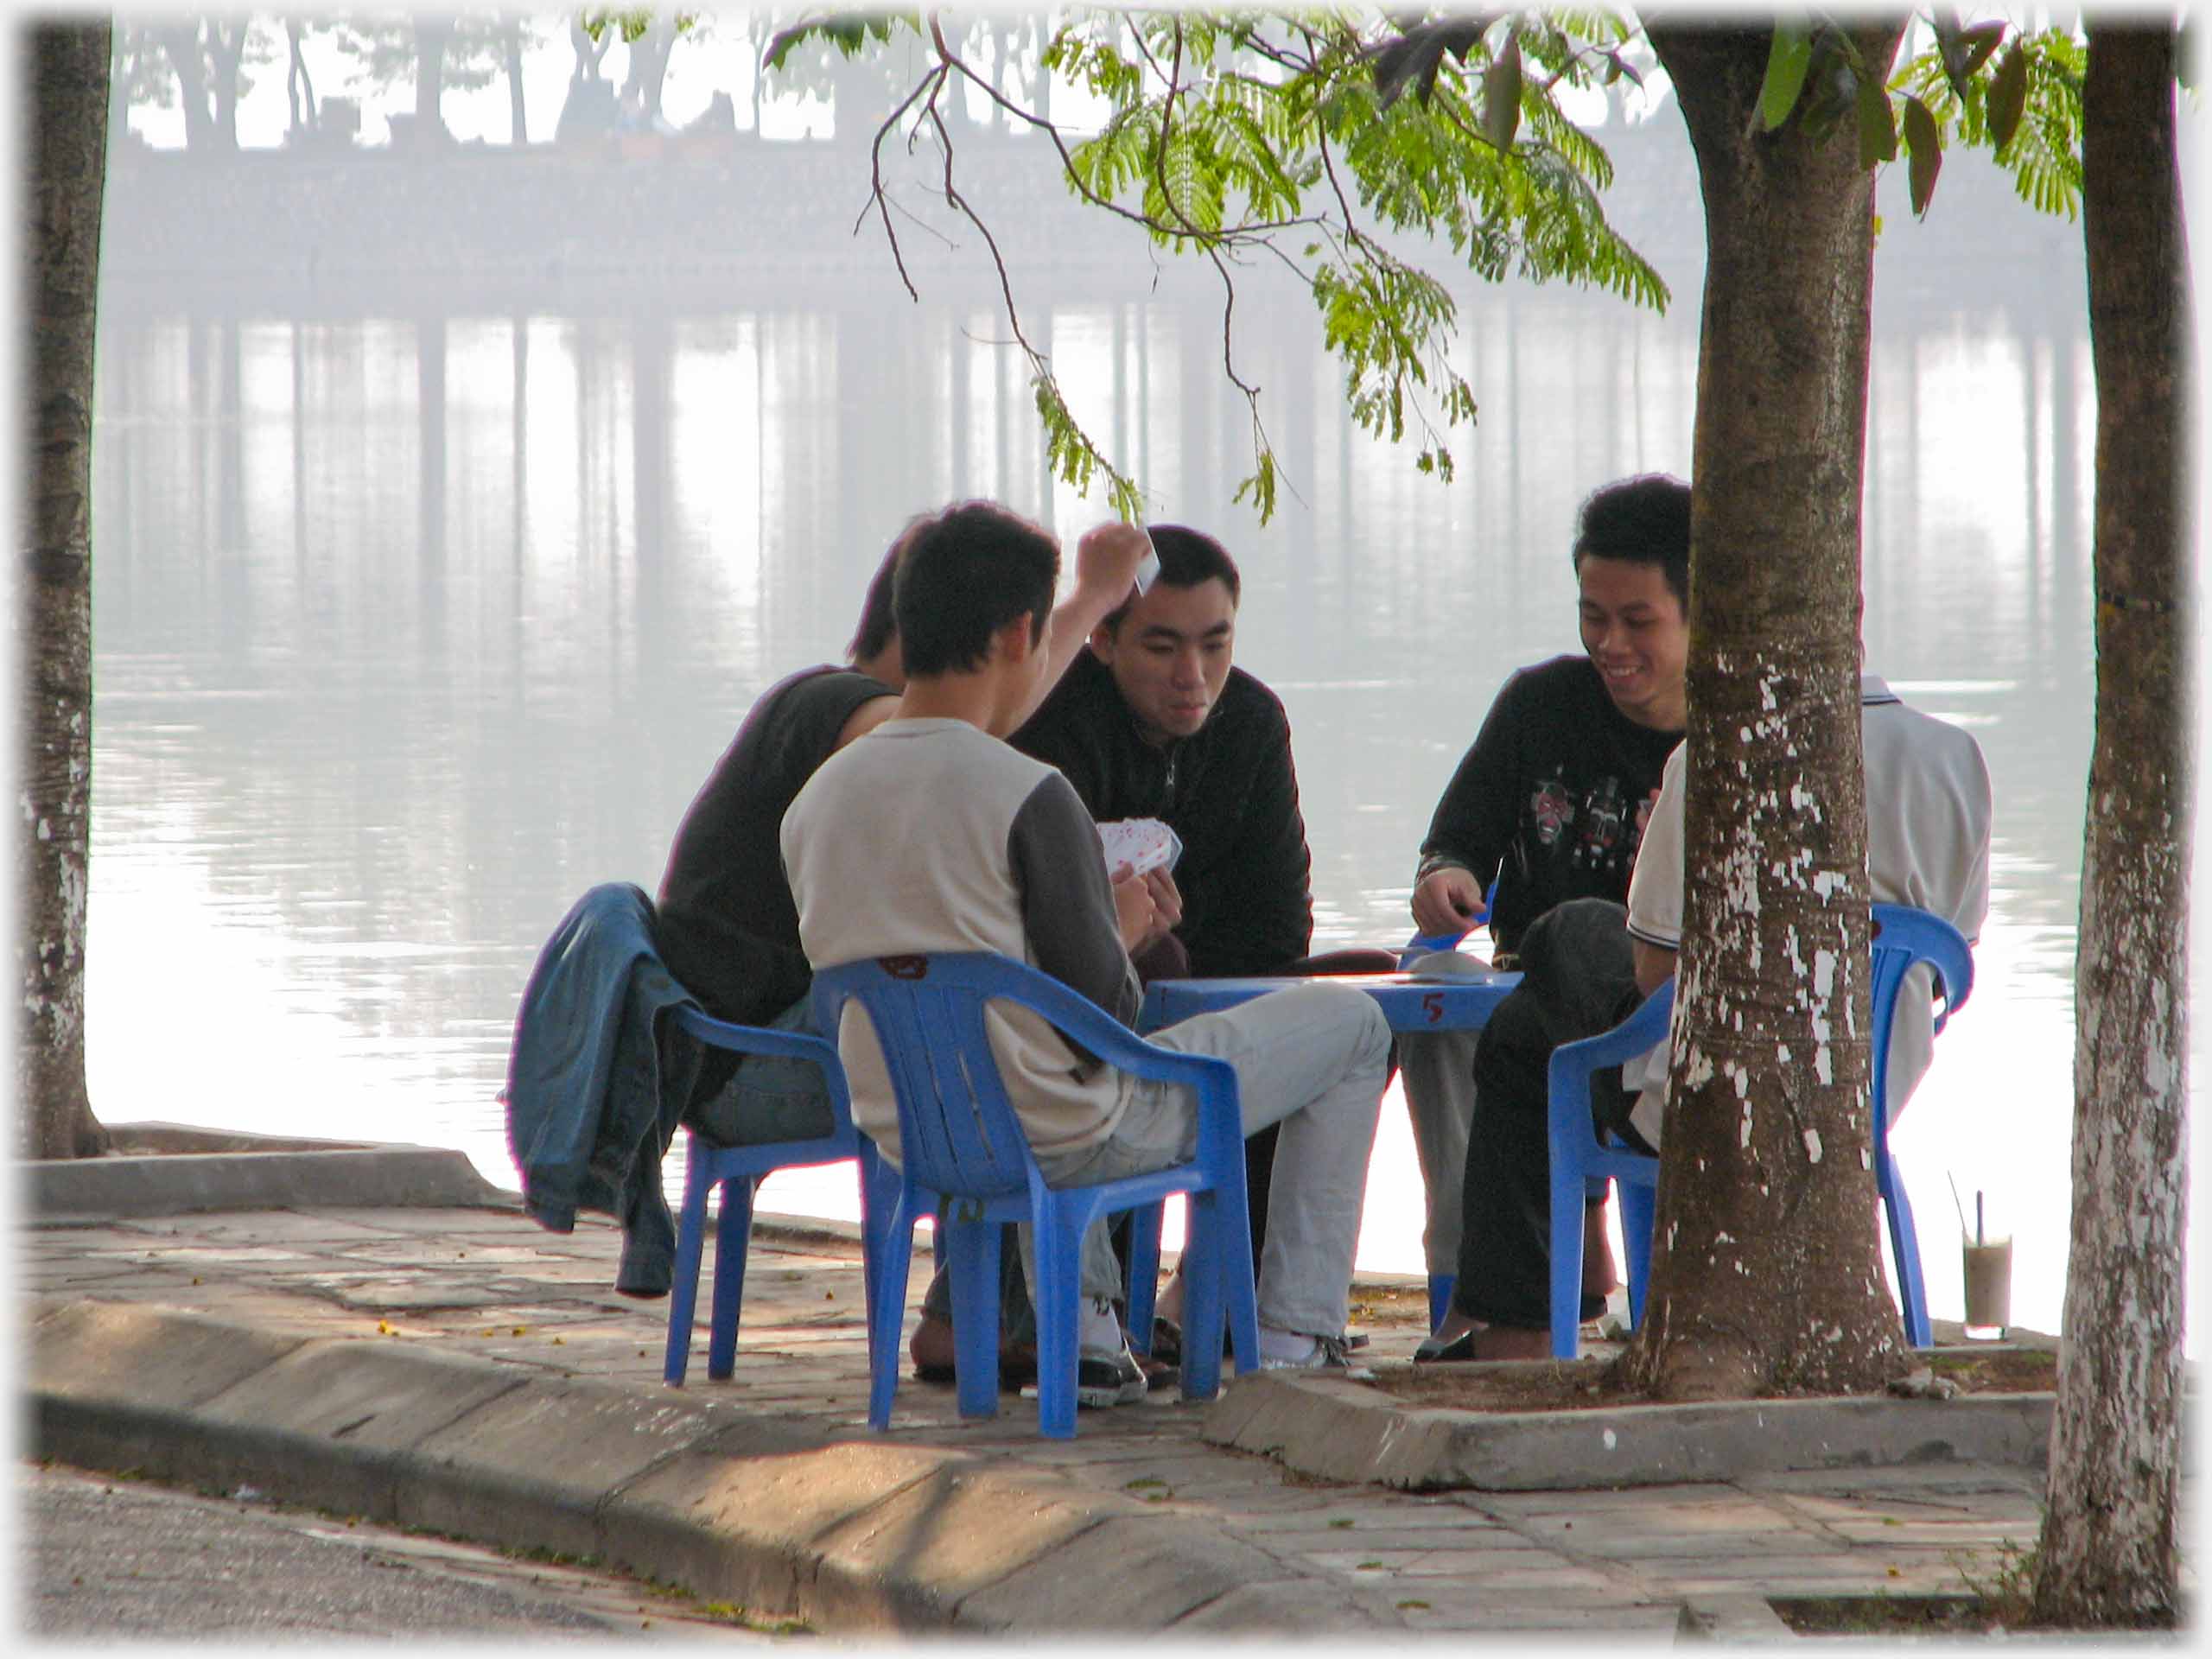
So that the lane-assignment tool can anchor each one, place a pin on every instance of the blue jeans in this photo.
(769, 1096)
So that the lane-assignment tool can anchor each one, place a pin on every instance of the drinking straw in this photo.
(1957, 1202)
(1978, 1237)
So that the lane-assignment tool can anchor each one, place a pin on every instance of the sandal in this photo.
(1166, 1340)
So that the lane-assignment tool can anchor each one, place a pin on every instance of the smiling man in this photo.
(1550, 803)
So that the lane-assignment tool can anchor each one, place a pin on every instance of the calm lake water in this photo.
(411, 627)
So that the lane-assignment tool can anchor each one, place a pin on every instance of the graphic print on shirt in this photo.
(1551, 809)
(1599, 833)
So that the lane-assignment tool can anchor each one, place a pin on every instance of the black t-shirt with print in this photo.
(728, 930)
(1551, 799)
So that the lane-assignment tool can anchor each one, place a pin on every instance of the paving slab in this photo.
(1136, 1572)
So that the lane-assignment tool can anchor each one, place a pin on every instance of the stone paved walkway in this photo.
(1280, 1553)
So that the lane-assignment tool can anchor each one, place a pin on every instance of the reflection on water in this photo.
(410, 627)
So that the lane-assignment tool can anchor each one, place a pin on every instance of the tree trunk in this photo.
(431, 37)
(181, 41)
(511, 47)
(228, 53)
(299, 85)
(2108, 1554)
(1766, 1266)
(69, 66)
(648, 72)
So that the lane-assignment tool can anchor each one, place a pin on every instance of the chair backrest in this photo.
(1901, 937)
(957, 1132)
(702, 1027)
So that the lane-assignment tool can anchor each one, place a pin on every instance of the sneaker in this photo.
(1109, 1377)
(1326, 1354)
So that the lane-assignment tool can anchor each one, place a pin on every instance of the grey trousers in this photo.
(1437, 1068)
(1312, 1057)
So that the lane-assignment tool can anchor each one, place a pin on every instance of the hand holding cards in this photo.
(1136, 846)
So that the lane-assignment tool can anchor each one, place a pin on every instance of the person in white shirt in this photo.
(1590, 963)
(1927, 825)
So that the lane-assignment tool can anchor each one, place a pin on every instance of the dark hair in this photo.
(967, 573)
(1640, 520)
(1188, 558)
(877, 623)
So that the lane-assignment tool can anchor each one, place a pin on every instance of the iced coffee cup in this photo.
(1989, 1288)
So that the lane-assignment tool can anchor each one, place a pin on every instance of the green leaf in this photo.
(1922, 138)
(1787, 61)
(1502, 95)
(1877, 127)
(2008, 95)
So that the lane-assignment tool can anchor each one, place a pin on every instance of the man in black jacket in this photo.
(1154, 722)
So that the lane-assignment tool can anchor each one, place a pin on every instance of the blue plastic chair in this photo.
(1901, 937)
(960, 1141)
(738, 1171)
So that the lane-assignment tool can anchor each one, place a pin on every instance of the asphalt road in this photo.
(102, 1557)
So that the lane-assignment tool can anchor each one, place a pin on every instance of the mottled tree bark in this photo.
(2108, 1554)
(1766, 1268)
(68, 65)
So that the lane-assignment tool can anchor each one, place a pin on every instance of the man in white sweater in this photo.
(930, 834)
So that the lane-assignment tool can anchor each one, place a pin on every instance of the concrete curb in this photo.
(773, 1514)
(175, 1176)
(1347, 1431)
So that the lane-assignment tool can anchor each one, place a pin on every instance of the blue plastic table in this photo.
(1410, 1001)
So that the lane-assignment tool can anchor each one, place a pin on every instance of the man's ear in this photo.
(1016, 640)
(1102, 643)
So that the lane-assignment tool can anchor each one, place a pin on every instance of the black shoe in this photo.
(1436, 1350)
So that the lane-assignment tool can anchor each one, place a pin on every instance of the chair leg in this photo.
(1440, 1297)
(887, 1309)
(1206, 1264)
(973, 1247)
(1639, 1205)
(1144, 1272)
(1904, 1251)
(1058, 1287)
(683, 1289)
(733, 1236)
(1568, 1189)
(1232, 1225)
(879, 1192)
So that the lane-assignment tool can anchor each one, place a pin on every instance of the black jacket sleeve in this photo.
(1268, 922)
(1474, 822)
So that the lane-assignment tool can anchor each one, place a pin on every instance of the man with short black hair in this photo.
(1012, 864)
(1549, 805)
(1155, 721)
